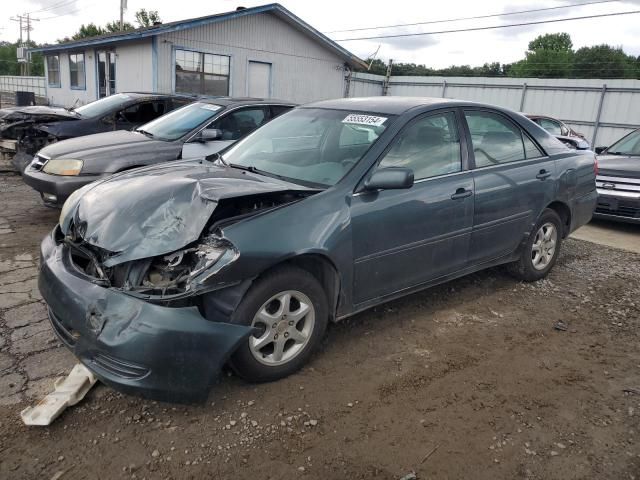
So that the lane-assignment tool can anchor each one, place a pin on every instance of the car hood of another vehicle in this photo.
(623, 166)
(157, 210)
(107, 152)
(50, 113)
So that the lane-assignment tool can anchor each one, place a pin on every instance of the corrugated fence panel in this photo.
(575, 101)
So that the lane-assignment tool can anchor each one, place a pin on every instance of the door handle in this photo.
(543, 175)
(461, 193)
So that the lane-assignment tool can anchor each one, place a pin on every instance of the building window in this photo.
(53, 70)
(202, 73)
(76, 71)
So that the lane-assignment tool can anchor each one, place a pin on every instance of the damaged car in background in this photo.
(193, 131)
(25, 130)
(157, 277)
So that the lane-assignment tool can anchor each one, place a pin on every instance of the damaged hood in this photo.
(157, 210)
(24, 113)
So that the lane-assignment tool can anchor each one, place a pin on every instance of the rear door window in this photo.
(143, 112)
(496, 140)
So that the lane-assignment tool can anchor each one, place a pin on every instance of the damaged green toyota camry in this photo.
(157, 277)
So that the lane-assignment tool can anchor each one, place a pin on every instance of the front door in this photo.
(106, 73)
(404, 238)
(513, 180)
(231, 127)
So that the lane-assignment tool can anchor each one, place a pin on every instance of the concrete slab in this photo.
(624, 236)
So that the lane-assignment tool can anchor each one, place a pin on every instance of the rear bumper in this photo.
(170, 354)
(582, 211)
(55, 189)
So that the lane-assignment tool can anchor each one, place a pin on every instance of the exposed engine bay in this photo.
(177, 275)
(30, 130)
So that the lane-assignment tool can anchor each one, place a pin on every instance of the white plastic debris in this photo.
(68, 391)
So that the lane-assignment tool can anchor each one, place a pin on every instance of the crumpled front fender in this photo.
(161, 352)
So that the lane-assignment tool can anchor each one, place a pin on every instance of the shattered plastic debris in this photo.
(68, 391)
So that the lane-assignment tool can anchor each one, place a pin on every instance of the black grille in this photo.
(119, 368)
(621, 208)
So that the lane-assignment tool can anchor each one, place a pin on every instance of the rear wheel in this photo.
(541, 250)
(288, 310)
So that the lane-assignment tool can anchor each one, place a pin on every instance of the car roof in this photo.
(157, 95)
(391, 105)
(239, 101)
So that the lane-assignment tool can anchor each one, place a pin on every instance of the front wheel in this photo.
(541, 251)
(288, 310)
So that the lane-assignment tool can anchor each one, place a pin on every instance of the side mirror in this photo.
(209, 134)
(599, 150)
(392, 178)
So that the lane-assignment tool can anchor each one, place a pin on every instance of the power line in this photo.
(492, 27)
(54, 6)
(504, 14)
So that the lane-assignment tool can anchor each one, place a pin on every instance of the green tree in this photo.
(604, 61)
(147, 18)
(114, 26)
(554, 42)
(549, 56)
(9, 63)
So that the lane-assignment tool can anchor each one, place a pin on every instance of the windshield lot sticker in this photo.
(360, 119)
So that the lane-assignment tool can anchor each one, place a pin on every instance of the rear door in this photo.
(404, 238)
(514, 181)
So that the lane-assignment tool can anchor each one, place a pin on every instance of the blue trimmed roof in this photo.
(140, 33)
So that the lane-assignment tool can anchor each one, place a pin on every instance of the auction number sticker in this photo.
(360, 119)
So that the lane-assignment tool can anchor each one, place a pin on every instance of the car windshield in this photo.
(309, 146)
(104, 105)
(178, 123)
(629, 145)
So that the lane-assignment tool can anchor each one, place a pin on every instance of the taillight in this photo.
(595, 164)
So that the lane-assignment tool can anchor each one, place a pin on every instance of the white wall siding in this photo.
(67, 97)
(302, 69)
(134, 67)
(575, 101)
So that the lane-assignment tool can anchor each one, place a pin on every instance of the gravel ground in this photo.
(466, 380)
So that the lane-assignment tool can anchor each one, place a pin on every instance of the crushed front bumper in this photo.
(170, 354)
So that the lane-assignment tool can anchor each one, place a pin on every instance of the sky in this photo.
(60, 18)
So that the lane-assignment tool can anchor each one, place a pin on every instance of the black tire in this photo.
(523, 269)
(280, 280)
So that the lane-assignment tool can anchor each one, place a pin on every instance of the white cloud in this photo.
(474, 48)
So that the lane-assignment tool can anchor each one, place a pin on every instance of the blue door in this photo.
(404, 238)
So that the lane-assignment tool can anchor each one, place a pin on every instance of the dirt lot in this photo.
(466, 380)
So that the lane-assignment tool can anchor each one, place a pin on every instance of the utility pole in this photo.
(23, 57)
(123, 7)
(387, 78)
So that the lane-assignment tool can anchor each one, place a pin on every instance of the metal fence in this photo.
(603, 110)
(10, 84)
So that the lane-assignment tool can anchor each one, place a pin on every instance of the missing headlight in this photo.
(182, 271)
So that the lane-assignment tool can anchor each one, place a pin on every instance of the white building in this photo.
(263, 51)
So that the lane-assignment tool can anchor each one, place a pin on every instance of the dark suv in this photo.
(157, 277)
